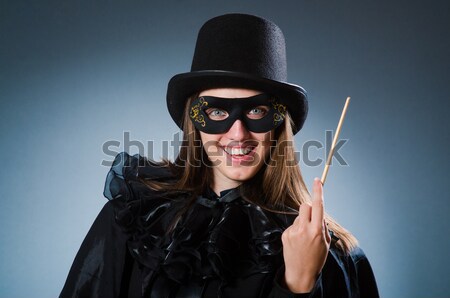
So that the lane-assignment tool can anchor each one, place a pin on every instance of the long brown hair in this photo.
(281, 178)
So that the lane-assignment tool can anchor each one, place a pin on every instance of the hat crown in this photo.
(238, 51)
(241, 43)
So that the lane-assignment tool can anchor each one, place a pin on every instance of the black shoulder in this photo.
(129, 171)
(367, 284)
(357, 255)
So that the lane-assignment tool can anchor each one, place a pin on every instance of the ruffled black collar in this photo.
(210, 194)
(222, 237)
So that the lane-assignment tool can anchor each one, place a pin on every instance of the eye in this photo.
(257, 112)
(216, 114)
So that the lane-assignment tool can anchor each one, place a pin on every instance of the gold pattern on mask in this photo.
(195, 112)
(280, 112)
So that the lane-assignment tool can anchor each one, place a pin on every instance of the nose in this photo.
(238, 131)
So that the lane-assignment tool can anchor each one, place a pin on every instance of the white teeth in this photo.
(238, 151)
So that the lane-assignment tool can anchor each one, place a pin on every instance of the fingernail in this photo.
(318, 179)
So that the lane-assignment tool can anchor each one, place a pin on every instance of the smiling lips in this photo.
(238, 150)
(240, 153)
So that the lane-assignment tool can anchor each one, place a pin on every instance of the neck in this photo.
(221, 185)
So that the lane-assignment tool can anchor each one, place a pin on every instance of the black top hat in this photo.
(241, 51)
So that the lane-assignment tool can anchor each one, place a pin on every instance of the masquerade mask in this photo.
(214, 115)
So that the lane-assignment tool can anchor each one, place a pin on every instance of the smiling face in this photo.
(237, 154)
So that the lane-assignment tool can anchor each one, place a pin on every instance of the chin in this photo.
(241, 174)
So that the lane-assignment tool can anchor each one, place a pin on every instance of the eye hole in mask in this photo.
(214, 115)
(255, 113)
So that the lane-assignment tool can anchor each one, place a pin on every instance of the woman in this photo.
(231, 217)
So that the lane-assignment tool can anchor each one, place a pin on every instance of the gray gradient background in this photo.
(73, 76)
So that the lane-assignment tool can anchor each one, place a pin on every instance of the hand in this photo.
(305, 244)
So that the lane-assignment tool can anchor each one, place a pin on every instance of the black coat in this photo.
(222, 247)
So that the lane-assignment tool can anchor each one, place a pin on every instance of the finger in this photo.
(296, 222)
(317, 204)
(305, 214)
(327, 232)
(285, 234)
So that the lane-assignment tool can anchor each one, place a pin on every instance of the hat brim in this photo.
(183, 85)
